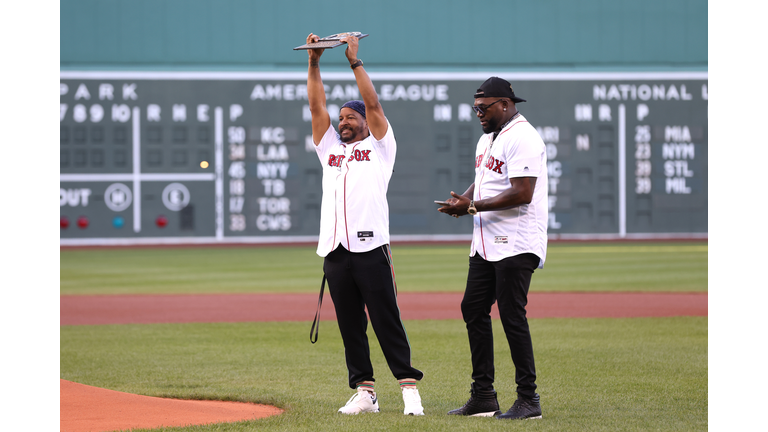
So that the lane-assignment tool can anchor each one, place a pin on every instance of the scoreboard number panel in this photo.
(161, 157)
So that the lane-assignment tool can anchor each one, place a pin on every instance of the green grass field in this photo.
(593, 374)
(570, 267)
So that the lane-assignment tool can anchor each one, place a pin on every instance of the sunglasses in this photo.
(480, 109)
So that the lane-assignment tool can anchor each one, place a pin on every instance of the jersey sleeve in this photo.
(387, 146)
(524, 155)
(326, 144)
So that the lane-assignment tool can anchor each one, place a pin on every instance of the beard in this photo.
(352, 133)
(490, 126)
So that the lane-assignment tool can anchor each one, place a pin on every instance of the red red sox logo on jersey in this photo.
(492, 164)
(357, 155)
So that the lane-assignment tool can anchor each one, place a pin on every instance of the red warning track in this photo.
(188, 308)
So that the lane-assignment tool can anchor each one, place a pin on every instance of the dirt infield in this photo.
(187, 308)
(85, 408)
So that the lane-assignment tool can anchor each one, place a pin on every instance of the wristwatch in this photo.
(356, 64)
(472, 210)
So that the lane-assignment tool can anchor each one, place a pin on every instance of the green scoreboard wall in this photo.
(184, 157)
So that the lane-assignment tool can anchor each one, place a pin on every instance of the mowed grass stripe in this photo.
(558, 249)
(591, 267)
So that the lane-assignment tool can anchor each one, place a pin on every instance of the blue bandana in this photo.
(356, 105)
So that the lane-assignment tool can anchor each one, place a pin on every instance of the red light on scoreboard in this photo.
(82, 222)
(64, 221)
(161, 221)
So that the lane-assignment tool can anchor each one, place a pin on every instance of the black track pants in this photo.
(359, 280)
(506, 281)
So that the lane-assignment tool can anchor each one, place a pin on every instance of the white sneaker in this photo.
(412, 402)
(361, 402)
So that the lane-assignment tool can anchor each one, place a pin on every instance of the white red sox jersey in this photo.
(355, 212)
(517, 152)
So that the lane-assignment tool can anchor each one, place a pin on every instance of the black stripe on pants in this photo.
(507, 281)
(357, 280)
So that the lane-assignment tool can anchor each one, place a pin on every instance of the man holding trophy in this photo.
(358, 162)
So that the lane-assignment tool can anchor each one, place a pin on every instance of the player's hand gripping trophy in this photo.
(315, 53)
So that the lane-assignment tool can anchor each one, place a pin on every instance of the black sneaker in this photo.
(523, 408)
(481, 403)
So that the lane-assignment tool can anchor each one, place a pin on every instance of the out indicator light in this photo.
(82, 222)
(161, 221)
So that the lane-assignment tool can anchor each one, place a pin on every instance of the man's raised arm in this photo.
(374, 114)
(321, 120)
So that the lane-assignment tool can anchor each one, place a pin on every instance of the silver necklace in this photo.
(495, 134)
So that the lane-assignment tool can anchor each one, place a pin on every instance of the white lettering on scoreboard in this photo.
(271, 170)
(551, 137)
(643, 92)
(74, 197)
(121, 112)
(642, 159)
(237, 170)
(677, 150)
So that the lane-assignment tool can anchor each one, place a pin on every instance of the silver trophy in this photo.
(331, 41)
